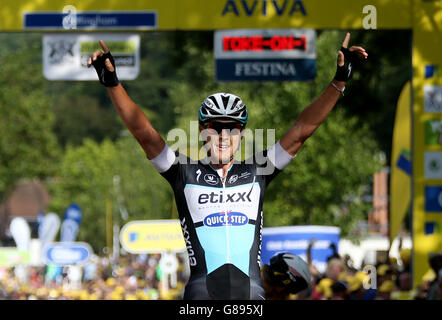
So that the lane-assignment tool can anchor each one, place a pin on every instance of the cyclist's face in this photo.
(223, 138)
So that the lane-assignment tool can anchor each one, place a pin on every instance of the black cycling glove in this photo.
(345, 72)
(106, 77)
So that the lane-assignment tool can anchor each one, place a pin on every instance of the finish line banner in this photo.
(265, 55)
(18, 15)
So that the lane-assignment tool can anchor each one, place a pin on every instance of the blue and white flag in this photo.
(71, 223)
(48, 228)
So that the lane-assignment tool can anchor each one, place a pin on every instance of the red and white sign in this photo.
(265, 43)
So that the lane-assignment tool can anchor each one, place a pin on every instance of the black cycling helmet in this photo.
(289, 271)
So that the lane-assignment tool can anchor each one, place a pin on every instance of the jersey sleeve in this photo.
(270, 162)
(167, 164)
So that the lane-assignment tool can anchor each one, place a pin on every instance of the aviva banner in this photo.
(61, 15)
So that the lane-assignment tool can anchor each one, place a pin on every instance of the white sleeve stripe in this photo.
(164, 160)
(278, 156)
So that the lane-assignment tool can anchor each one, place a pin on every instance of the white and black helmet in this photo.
(223, 105)
(290, 271)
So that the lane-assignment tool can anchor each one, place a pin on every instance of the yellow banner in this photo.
(152, 236)
(427, 147)
(400, 177)
(227, 14)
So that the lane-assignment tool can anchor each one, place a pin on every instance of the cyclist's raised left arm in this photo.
(316, 112)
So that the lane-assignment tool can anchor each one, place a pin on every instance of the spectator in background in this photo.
(435, 286)
(287, 274)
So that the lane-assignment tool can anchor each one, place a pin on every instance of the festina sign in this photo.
(265, 55)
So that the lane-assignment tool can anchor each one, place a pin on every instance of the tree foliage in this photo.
(70, 132)
(28, 145)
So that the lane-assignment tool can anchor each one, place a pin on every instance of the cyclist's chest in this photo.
(207, 195)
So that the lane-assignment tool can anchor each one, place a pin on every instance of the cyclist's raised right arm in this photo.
(136, 121)
(132, 116)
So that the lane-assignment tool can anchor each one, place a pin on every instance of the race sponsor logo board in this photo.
(433, 165)
(433, 198)
(295, 239)
(433, 132)
(265, 54)
(432, 99)
(65, 56)
(72, 19)
(150, 236)
(10, 257)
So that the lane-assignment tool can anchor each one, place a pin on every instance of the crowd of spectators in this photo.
(139, 277)
(129, 277)
(386, 280)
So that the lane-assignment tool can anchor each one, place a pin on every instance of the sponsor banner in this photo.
(427, 110)
(207, 15)
(432, 99)
(151, 236)
(265, 44)
(265, 55)
(433, 165)
(295, 239)
(89, 20)
(433, 131)
(265, 70)
(67, 253)
(65, 56)
(10, 257)
(433, 198)
(401, 163)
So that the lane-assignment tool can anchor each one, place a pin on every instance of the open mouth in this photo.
(224, 146)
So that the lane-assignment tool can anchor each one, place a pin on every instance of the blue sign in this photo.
(266, 70)
(67, 253)
(91, 20)
(295, 239)
(71, 223)
(433, 198)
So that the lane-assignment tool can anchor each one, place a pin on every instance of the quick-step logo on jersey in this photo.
(219, 219)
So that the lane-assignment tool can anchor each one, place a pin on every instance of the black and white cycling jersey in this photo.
(221, 220)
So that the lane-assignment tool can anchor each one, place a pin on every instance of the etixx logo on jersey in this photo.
(211, 179)
(220, 219)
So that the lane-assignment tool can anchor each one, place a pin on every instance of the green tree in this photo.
(28, 146)
(87, 177)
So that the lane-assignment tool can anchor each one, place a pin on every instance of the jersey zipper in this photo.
(226, 221)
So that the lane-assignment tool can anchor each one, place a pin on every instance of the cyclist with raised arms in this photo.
(219, 199)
